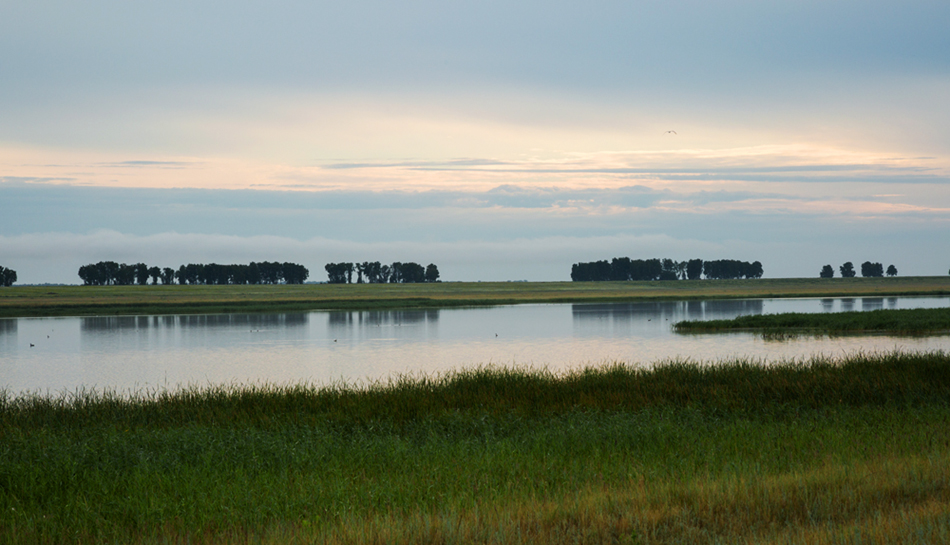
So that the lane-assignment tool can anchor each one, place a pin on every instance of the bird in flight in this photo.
(668, 132)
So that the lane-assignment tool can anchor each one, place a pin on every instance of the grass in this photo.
(846, 451)
(28, 301)
(919, 321)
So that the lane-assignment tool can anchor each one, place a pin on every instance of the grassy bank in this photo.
(112, 300)
(920, 321)
(824, 451)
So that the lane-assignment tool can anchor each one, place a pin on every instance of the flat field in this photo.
(853, 450)
(25, 301)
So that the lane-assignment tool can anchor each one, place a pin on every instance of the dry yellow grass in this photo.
(895, 500)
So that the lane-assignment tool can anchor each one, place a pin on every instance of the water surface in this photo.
(132, 353)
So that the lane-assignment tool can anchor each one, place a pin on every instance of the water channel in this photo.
(135, 353)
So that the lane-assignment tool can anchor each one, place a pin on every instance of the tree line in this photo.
(374, 272)
(110, 273)
(624, 268)
(7, 277)
(868, 269)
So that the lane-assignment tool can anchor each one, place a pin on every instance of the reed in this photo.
(918, 321)
(824, 450)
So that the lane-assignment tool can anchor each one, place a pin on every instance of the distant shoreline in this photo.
(43, 301)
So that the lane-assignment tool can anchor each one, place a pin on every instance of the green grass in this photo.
(816, 451)
(23, 301)
(920, 321)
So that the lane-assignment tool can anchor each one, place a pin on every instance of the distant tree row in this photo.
(110, 273)
(624, 268)
(373, 272)
(7, 277)
(868, 269)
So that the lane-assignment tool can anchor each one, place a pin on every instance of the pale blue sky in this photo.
(501, 140)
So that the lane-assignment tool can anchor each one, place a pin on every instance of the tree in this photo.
(869, 269)
(409, 273)
(754, 270)
(168, 276)
(89, 274)
(141, 273)
(694, 269)
(154, 273)
(339, 273)
(891, 270)
(827, 272)
(432, 273)
(294, 273)
(7, 277)
(847, 270)
(670, 270)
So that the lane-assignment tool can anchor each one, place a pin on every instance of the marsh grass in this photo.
(812, 451)
(918, 321)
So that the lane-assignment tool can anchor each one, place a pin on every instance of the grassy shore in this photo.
(826, 451)
(24, 301)
(918, 321)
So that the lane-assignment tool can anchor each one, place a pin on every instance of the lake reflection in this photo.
(135, 352)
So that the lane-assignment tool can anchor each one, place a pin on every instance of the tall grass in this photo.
(916, 321)
(820, 450)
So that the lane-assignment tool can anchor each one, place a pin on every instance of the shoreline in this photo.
(50, 301)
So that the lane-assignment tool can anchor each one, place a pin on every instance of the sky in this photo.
(499, 140)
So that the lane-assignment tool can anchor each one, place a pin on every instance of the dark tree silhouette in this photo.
(141, 273)
(694, 269)
(624, 268)
(869, 269)
(827, 272)
(670, 270)
(847, 270)
(294, 273)
(154, 273)
(409, 273)
(432, 273)
(891, 270)
(339, 273)
(168, 276)
(7, 277)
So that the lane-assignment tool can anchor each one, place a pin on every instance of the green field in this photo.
(111, 300)
(918, 321)
(855, 450)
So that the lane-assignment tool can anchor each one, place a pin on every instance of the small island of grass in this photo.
(918, 321)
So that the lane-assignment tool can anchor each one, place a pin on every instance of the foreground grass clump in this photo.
(820, 451)
(918, 321)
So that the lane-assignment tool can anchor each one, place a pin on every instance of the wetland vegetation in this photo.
(917, 321)
(827, 450)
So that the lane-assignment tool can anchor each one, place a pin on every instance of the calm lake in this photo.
(52, 355)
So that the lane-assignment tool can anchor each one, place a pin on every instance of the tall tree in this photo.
(432, 273)
(155, 273)
(294, 273)
(847, 270)
(141, 273)
(827, 272)
(694, 269)
(891, 270)
(869, 269)
(337, 273)
(7, 277)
